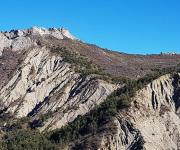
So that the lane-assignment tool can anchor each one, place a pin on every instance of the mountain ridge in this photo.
(57, 92)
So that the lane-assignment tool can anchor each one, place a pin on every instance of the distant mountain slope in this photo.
(116, 63)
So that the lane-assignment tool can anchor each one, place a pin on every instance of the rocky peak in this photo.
(18, 40)
(59, 33)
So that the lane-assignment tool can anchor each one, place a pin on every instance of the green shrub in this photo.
(26, 140)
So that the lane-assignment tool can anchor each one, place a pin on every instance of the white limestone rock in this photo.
(43, 75)
(57, 33)
(21, 43)
(154, 121)
(67, 34)
(4, 42)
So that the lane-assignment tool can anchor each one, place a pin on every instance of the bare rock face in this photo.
(21, 43)
(39, 82)
(81, 97)
(156, 114)
(152, 121)
(45, 83)
(4, 42)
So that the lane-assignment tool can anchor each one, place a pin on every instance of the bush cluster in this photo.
(26, 139)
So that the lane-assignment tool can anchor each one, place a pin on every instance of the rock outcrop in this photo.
(152, 121)
(20, 39)
(45, 83)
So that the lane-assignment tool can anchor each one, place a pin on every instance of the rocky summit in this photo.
(58, 92)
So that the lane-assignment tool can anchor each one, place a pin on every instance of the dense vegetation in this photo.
(23, 136)
(26, 139)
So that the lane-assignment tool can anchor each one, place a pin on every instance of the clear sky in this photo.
(131, 26)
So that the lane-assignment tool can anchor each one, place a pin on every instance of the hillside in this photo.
(57, 92)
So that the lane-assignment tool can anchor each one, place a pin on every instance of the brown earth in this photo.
(116, 63)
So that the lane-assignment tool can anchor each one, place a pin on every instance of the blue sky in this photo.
(131, 26)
